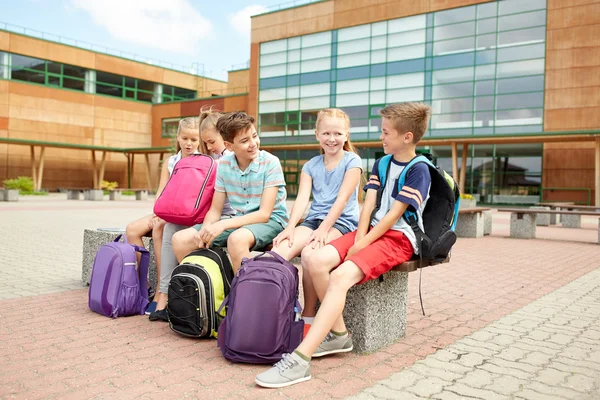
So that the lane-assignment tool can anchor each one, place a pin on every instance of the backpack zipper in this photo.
(201, 302)
(212, 164)
(222, 267)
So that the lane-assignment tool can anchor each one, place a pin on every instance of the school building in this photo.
(514, 87)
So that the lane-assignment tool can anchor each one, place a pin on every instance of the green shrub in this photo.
(106, 185)
(128, 193)
(33, 193)
(467, 196)
(23, 184)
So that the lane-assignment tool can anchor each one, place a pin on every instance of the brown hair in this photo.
(230, 124)
(337, 113)
(207, 120)
(408, 117)
(187, 123)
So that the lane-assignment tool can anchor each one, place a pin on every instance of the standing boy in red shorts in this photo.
(373, 249)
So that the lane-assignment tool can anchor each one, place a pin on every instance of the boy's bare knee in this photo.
(338, 280)
(240, 240)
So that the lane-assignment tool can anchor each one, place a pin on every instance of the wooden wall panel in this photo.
(4, 41)
(436, 5)
(237, 103)
(367, 12)
(586, 14)
(3, 123)
(555, 4)
(573, 78)
(128, 68)
(238, 81)
(572, 97)
(193, 107)
(572, 119)
(169, 110)
(253, 78)
(179, 79)
(568, 165)
(211, 87)
(579, 36)
(51, 51)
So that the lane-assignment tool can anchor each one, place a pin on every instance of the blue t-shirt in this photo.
(326, 186)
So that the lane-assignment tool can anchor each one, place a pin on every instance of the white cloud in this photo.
(240, 21)
(172, 25)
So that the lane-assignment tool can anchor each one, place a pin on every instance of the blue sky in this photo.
(182, 32)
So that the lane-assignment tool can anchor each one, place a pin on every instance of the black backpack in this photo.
(197, 289)
(439, 216)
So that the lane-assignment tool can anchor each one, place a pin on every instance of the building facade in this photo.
(505, 79)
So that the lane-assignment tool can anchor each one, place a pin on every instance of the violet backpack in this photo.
(263, 312)
(186, 198)
(116, 289)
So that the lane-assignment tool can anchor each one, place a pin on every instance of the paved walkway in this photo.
(488, 327)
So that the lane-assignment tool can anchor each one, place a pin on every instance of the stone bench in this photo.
(474, 222)
(98, 194)
(9, 194)
(523, 222)
(93, 239)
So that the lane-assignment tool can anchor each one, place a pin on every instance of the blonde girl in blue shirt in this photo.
(332, 177)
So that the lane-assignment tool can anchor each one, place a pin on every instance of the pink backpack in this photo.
(188, 194)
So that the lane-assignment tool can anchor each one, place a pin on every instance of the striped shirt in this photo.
(244, 189)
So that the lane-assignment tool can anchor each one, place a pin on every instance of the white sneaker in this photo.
(291, 369)
(333, 344)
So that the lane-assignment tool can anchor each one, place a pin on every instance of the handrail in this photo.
(588, 190)
(196, 69)
(287, 5)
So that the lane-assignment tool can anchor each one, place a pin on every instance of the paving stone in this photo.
(478, 378)
(402, 380)
(551, 376)
(428, 387)
(553, 390)
(580, 383)
(507, 384)
(512, 354)
(468, 391)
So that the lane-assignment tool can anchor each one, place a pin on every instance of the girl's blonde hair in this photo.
(348, 146)
(337, 113)
(208, 120)
(187, 123)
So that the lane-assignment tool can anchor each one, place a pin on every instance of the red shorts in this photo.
(391, 249)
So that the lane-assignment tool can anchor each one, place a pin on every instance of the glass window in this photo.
(453, 75)
(294, 43)
(269, 83)
(184, 93)
(484, 103)
(486, 41)
(292, 104)
(400, 95)
(407, 24)
(355, 32)
(519, 21)
(512, 7)
(54, 67)
(293, 91)
(272, 59)
(272, 94)
(170, 126)
(354, 85)
(486, 26)
(272, 118)
(19, 62)
(453, 46)
(316, 39)
(313, 77)
(451, 121)
(76, 72)
(314, 90)
(272, 106)
(352, 99)
(354, 46)
(455, 15)
(377, 97)
(293, 68)
(405, 53)
(485, 72)
(521, 52)
(487, 10)
(453, 60)
(519, 117)
(523, 36)
(454, 31)
(520, 68)
(315, 65)
(316, 52)
(452, 90)
(521, 100)
(353, 73)
(293, 55)
(406, 38)
(273, 47)
(378, 56)
(352, 60)
(484, 87)
(406, 80)
(484, 119)
(452, 106)
(516, 85)
(378, 43)
(112, 79)
(359, 112)
(379, 28)
(378, 83)
(73, 84)
(294, 80)
(485, 57)
(403, 67)
(314, 103)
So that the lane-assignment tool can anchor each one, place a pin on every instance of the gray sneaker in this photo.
(334, 344)
(291, 369)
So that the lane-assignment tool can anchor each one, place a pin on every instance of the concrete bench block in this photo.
(375, 312)
(93, 239)
(470, 225)
(570, 221)
(141, 195)
(73, 194)
(94, 195)
(542, 219)
(114, 195)
(487, 222)
(9, 195)
(522, 226)
(599, 231)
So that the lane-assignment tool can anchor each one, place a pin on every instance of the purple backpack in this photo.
(116, 289)
(262, 311)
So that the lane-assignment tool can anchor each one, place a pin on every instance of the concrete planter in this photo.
(468, 203)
